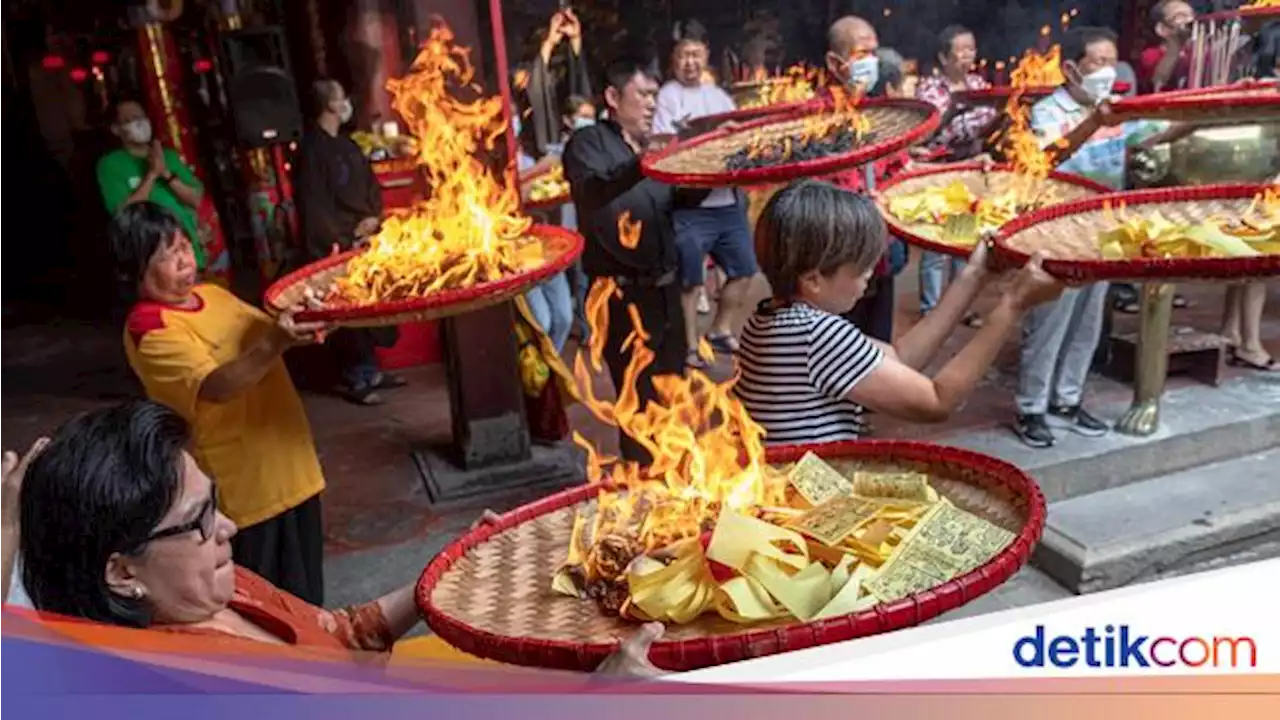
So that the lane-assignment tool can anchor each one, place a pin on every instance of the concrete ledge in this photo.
(1198, 425)
(1165, 526)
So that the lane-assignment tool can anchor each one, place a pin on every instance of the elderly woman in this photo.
(216, 361)
(961, 137)
(119, 525)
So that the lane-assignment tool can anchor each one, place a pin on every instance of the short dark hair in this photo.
(1266, 49)
(1158, 10)
(100, 487)
(575, 103)
(949, 35)
(620, 71)
(1077, 41)
(814, 225)
(121, 100)
(321, 95)
(138, 231)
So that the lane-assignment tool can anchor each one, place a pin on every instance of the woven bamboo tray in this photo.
(547, 203)
(1245, 102)
(1067, 235)
(489, 592)
(1063, 186)
(708, 123)
(1000, 94)
(895, 124)
(562, 247)
(1251, 18)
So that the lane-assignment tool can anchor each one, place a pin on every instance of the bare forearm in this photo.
(1170, 134)
(918, 346)
(1071, 142)
(236, 376)
(958, 377)
(10, 550)
(189, 195)
(143, 192)
(399, 610)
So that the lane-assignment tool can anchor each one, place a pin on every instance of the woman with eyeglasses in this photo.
(119, 525)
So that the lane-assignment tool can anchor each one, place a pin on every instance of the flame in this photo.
(1031, 163)
(629, 230)
(471, 229)
(842, 114)
(1262, 4)
(708, 454)
(796, 84)
(1040, 69)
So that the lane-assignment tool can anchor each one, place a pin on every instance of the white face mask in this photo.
(582, 122)
(346, 110)
(865, 71)
(137, 131)
(1098, 84)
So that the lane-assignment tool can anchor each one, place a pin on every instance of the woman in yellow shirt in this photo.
(216, 361)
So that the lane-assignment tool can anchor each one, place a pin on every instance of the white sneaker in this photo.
(704, 305)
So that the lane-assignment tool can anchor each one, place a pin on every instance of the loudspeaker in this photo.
(260, 87)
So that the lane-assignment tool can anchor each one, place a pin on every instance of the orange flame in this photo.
(471, 229)
(708, 454)
(629, 230)
(795, 84)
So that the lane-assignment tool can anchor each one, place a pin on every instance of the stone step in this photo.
(1210, 516)
(1199, 424)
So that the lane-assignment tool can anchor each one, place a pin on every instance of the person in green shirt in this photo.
(142, 170)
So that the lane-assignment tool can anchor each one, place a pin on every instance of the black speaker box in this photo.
(260, 87)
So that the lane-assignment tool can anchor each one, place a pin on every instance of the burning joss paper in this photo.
(833, 552)
(1255, 231)
(470, 230)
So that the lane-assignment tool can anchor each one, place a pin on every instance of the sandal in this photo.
(366, 395)
(695, 361)
(388, 381)
(1236, 360)
(726, 343)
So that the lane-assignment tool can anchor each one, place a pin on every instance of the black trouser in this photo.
(287, 550)
(874, 312)
(663, 320)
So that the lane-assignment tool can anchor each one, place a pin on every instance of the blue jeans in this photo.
(720, 232)
(552, 307)
(931, 267)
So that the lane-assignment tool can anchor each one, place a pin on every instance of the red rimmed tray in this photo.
(547, 203)
(1069, 187)
(1249, 16)
(897, 123)
(489, 592)
(562, 247)
(1067, 234)
(1244, 102)
(1000, 94)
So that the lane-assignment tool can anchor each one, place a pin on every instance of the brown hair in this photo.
(812, 225)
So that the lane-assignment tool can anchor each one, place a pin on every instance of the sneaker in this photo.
(1077, 420)
(1032, 430)
(704, 305)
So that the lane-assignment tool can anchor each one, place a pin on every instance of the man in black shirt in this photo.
(602, 165)
(340, 204)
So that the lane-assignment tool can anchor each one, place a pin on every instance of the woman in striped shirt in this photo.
(807, 372)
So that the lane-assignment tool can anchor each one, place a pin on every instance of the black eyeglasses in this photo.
(204, 522)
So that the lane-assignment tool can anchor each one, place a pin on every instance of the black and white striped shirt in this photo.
(798, 364)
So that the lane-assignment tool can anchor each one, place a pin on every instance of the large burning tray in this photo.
(890, 126)
(1059, 187)
(488, 593)
(1243, 102)
(560, 247)
(1000, 94)
(708, 123)
(1068, 236)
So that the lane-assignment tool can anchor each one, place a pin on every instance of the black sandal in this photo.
(1236, 360)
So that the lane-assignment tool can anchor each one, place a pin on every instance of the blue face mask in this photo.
(581, 122)
(865, 71)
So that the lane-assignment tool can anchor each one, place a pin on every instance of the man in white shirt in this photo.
(718, 227)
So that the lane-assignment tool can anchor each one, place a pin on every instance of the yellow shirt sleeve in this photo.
(173, 365)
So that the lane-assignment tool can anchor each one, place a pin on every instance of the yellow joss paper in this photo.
(744, 600)
(803, 593)
(737, 537)
(678, 592)
(849, 598)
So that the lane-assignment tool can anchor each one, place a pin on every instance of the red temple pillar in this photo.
(161, 79)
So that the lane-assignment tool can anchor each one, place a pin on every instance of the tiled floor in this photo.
(375, 496)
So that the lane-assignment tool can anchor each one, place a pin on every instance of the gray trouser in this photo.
(1058, 343)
